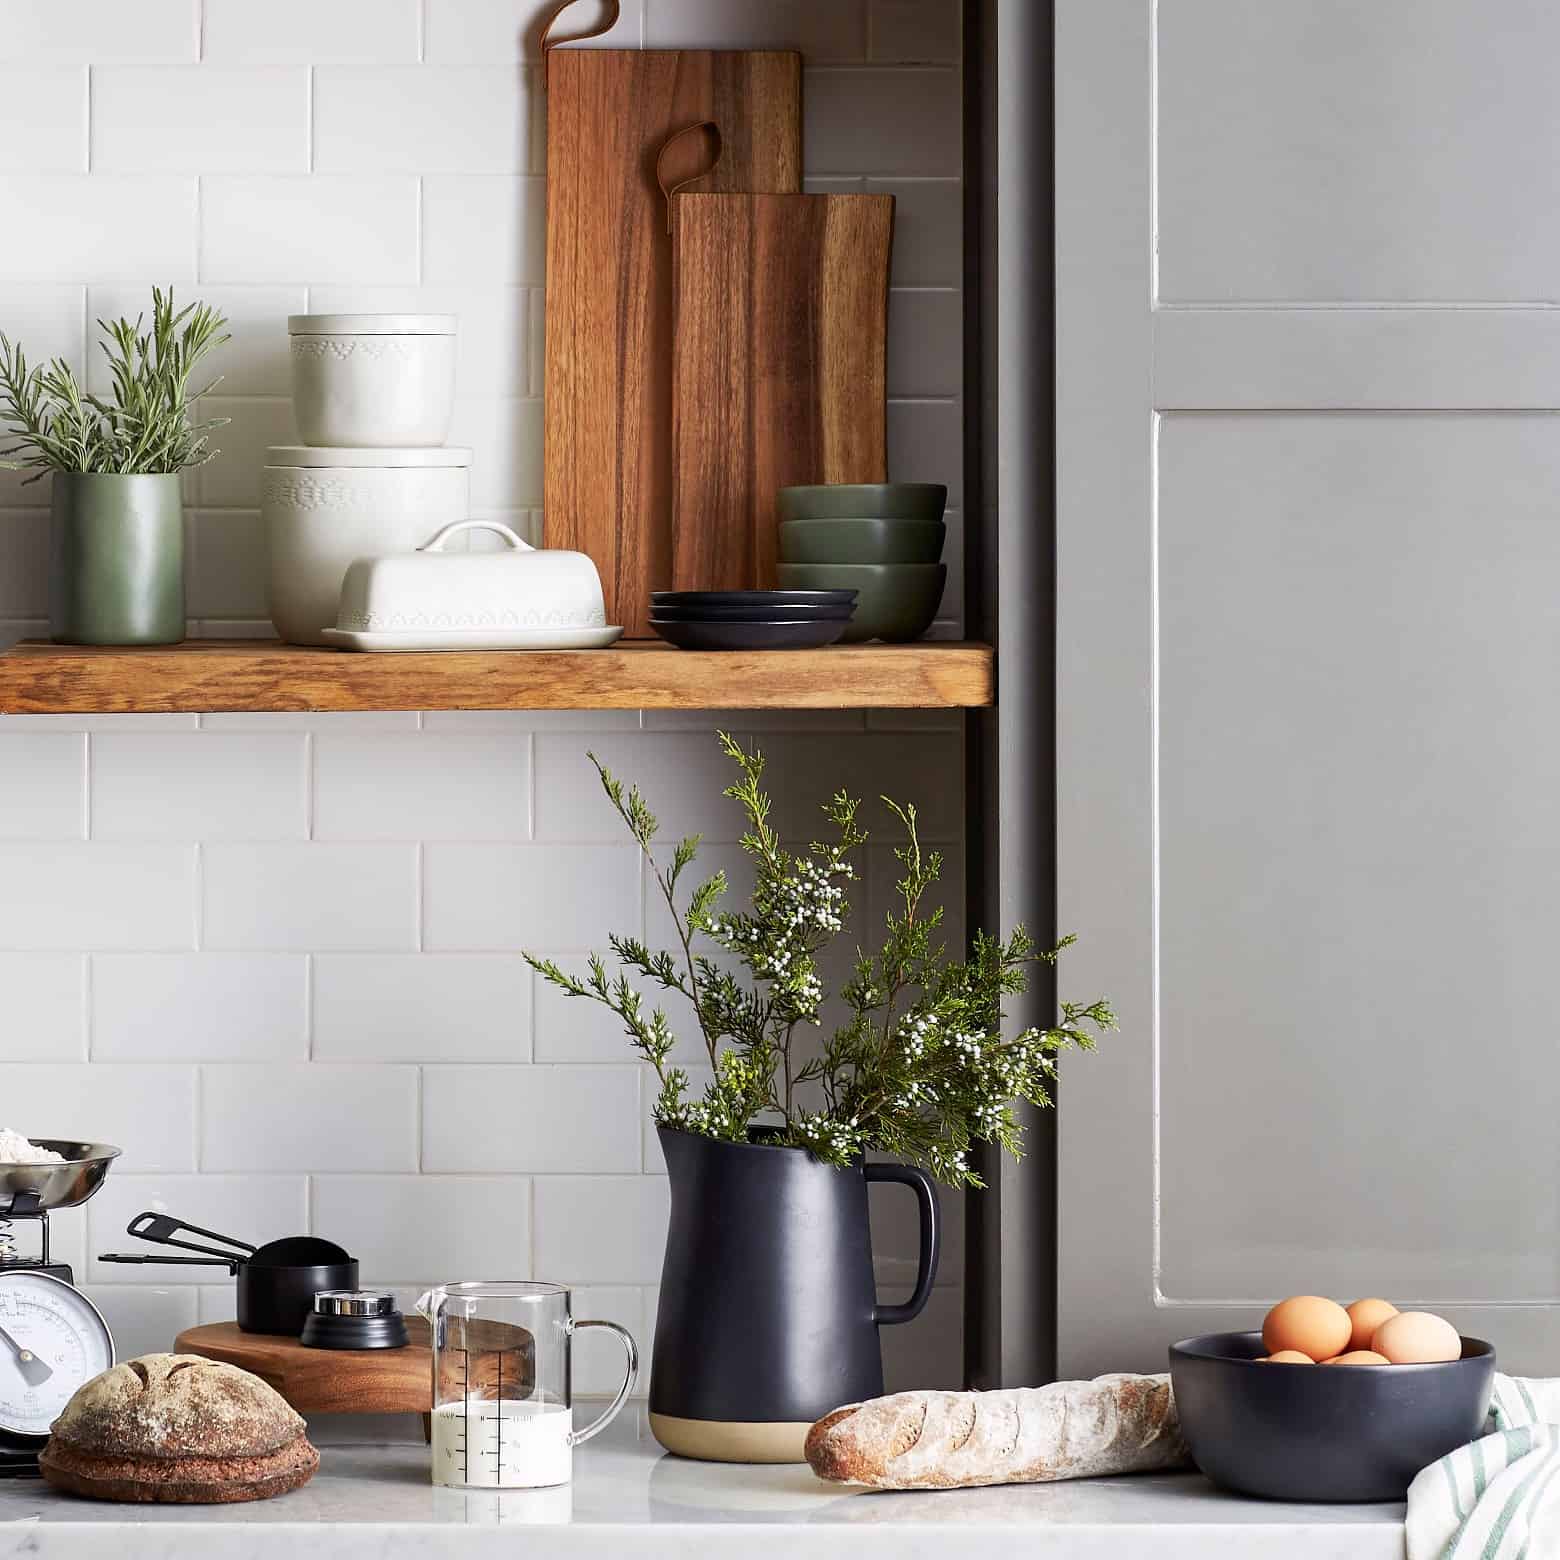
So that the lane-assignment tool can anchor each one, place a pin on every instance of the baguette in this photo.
(954, 1440)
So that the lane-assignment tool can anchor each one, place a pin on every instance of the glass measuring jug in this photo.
(503, 1383)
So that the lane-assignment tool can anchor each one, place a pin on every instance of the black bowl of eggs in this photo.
(1330, 1403)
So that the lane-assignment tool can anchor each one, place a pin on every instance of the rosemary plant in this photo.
(147, 426)
(918, 1069)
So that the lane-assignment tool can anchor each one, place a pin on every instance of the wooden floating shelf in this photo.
(259, 674)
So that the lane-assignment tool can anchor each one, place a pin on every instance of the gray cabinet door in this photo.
(1309, 664)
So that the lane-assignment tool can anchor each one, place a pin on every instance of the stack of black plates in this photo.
(750, 619)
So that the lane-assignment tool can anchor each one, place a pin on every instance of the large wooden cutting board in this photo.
(781, 312)
(608, 420)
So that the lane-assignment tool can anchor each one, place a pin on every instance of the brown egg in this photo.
(1316, 1327)
(1358, 1357)
(1417, 1338)
(1366, 1316)
(1287, 1357)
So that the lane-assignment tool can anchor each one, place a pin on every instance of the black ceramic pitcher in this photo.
(769, 1314)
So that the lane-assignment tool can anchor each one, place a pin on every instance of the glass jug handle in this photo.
(630, 1376)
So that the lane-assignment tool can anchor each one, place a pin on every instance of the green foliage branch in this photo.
(919, 1068)
(147, 425)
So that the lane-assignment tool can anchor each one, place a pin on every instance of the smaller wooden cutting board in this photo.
(326, 1381)
(780, 319)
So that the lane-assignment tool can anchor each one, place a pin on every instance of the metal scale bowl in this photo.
(52, 1337)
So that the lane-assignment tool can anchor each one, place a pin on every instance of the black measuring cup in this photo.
(277, 1282)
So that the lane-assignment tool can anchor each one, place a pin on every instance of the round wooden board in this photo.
(325, 1381)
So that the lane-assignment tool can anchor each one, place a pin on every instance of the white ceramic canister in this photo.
(322, 508)
(373, 381)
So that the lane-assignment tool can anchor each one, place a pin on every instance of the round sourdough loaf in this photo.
(177, 1427)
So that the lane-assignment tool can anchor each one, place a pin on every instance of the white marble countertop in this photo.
(372, 1498)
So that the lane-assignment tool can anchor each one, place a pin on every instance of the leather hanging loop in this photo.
(549, 43)
(703, 173)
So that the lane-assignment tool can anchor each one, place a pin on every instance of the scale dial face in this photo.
(52, 1340)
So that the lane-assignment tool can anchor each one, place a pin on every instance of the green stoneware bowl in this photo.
(861, 541)
(894, 601)
(875, 500)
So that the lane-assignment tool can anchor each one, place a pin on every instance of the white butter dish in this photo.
(522, 598)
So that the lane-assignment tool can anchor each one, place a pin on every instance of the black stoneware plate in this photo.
(749, 598)
(750, 636)
(768, 612)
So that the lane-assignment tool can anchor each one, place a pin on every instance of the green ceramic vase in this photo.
(116, 559)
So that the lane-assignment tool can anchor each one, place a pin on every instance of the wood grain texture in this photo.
(325, 1381)
(209, 675)
(608, 353)
(780, 316)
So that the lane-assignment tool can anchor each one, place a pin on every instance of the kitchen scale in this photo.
(52, 1338)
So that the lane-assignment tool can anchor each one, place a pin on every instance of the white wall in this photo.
(274, 957)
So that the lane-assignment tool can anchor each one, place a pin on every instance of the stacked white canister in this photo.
(372, 394)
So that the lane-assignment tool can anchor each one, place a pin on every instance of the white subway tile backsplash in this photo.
(43, 118)
(421, 118)
(928, 235)
(510, 897)
(424, 1230)
(326, 897)
(925, 330)
(483, 228)
(527, 1119)
(24, 563)
(311, 1065)
(355, 228)
(310, 32)
(681, 778)
(915, 32)
(105, 227)
(225, 563)
(215, 1007)
(200, 119)
(41, 31)
(599, 1361)
(253, 1208)
(142, 1319)
(422, 785)
(231, 479)
(202, 785)
(832, 32)
(882, 122)
(424, 1007)
(43, 776)
(600, 1229)
(308, 1117)
(147, 1111)
(42, 1007)
(505, 438)
(253, 363)
(926, 444)
(491, 358)
(487, 32)
(97, 896)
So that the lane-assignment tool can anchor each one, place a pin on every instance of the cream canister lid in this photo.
(372, 324)
(328, 455)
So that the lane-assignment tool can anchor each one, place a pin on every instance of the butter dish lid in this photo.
(373, 324)
(434, 588)
(328, 455)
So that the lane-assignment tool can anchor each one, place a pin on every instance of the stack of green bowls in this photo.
(882, 540)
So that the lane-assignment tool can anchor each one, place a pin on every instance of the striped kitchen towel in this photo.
(1497, 1498)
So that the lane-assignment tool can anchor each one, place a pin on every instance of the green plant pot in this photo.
(116, 559)
(883, 500)
(861, 541)
(894, 601)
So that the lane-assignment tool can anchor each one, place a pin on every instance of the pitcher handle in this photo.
(630, 1376)
(931, 1240)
